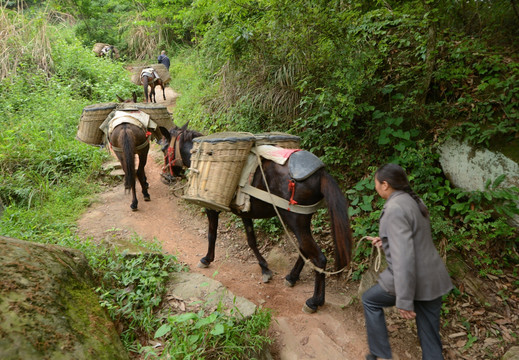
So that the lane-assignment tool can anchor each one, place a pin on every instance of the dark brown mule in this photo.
(126, 141)
(152, 82)
(309, 191)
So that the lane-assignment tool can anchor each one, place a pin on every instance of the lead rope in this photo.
(306, 260)
(378, 258)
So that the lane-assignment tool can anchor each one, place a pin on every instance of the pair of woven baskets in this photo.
(94, 115)
(217, 161)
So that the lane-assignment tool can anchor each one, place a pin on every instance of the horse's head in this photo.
(176, 146)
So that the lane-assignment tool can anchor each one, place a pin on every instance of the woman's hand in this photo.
(375, 240)
(407, 314)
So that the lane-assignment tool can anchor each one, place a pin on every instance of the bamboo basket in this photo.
(280, 139)
(216, 164)
(91, 118)
(157, 113)
(99, 46)
(159, 68)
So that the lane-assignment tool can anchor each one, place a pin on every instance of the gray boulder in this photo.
(48, 308)
(469, 168)
(512, 354)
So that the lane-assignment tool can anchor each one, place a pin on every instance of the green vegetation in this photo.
(361, 82)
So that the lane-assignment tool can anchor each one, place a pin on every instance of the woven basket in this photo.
(99, 46)
(159, 68)
(157, 113)
(283, 140)
(216, 164)
(91, 118)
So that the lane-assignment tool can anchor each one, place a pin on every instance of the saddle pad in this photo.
(150, 72)
(302, 164)
(138, 118)
(277, 154)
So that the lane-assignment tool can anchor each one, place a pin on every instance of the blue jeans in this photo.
(427, 319)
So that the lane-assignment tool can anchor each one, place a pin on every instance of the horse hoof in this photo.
(201, 265)
(147, 198)
(134, 209)
(266, 278)
(289, 284)
(307, 309)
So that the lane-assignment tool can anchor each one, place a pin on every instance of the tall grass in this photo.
(23, 40)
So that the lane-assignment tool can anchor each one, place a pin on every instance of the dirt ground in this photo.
(336, 331)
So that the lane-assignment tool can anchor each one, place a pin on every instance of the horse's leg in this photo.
(144, 81)
(251, 240)
(141, 175)
(310, 249)
(293, 276)
(153, 97)
(163, 91)
(212, 217)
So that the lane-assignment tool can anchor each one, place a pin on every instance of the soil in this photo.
(336, 331)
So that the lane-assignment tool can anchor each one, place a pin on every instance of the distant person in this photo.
(415, 278)
(163, 59)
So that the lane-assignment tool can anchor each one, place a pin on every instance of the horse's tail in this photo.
(128, 160)
(338, 210)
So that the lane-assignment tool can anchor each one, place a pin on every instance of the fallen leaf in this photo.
(461, 343)
(490, 341)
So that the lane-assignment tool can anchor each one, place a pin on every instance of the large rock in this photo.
(188, 292)
(469, 168)
(48, 309)
(512, 354)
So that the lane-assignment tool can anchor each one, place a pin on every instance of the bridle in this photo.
(173, 156)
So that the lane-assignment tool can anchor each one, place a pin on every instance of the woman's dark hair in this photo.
(397, 179)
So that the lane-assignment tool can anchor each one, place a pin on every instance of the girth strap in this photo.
(280, 202)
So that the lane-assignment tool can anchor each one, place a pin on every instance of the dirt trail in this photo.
(336, 331)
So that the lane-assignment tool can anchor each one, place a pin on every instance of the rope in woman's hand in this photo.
(378, 258)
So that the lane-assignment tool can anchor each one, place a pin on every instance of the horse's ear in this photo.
(165, 133)
(184, 127)
(119, 98)
(134, 96)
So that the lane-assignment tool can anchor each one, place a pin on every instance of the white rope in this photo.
(378, 258)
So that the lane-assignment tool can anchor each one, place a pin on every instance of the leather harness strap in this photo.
(280, 202)
(173, 157)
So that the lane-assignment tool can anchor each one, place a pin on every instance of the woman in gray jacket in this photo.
(415, 278)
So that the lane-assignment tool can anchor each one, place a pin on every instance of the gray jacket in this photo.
(415, 270)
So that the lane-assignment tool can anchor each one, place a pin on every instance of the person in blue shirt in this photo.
(163, 59)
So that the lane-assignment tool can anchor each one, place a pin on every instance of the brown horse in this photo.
(151, 80)
(309, 191)
(127, 140)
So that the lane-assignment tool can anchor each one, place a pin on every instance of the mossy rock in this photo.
(48, 308)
